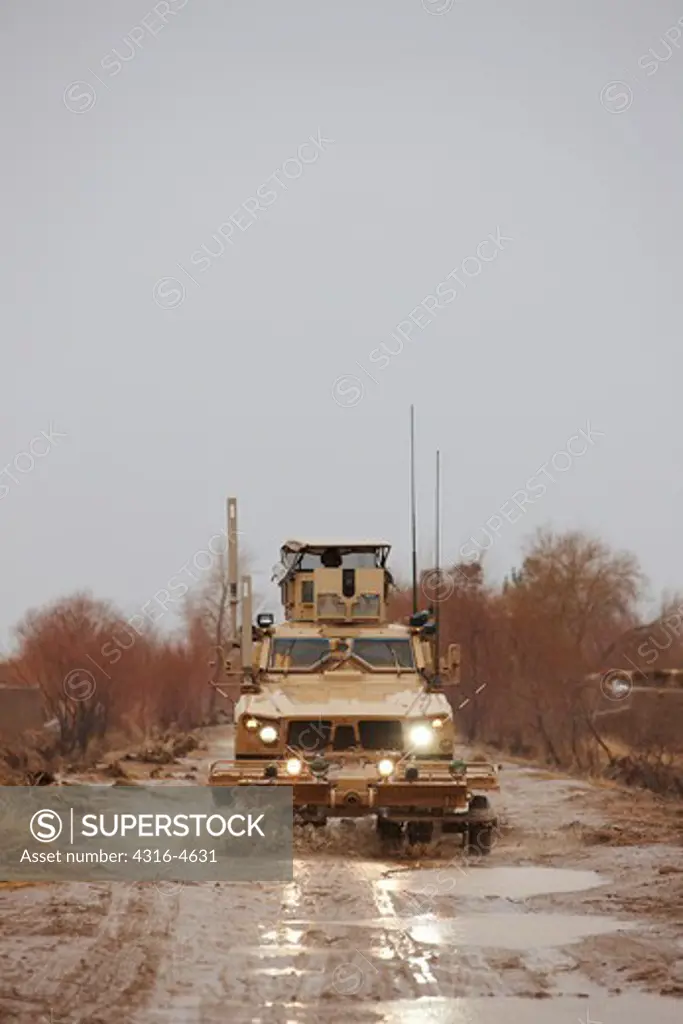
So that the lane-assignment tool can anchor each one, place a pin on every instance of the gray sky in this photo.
(491, 118)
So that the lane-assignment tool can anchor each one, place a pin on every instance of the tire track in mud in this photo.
(244, 950)
(331, 941)
(81, 952)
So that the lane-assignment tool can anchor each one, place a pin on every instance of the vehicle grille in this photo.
(381, 735)
(315, 735)
(344, 737)
(309, 736)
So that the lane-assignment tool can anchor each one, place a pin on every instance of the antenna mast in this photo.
(437, 567)
(233, 575)
(413, 514)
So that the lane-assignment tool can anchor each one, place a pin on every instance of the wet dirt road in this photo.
(576, 915)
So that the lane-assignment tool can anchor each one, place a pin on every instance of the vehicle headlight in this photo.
(421, 736)
(385, 767)
(268, 734)
(293, 766)
(437, 723)
(251, 724)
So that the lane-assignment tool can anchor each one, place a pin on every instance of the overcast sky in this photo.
(181, 373)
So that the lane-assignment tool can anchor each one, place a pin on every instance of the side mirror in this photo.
(419, 619)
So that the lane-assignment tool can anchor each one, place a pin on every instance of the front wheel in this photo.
(388, 831)
(419, 832)
(479, 835)
(480, 839)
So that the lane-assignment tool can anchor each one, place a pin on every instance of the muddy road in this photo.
(577, 914)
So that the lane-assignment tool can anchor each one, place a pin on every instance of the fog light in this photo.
(251, 724)
(421, 736)
(268, 734)
(293, 766)
(385, 767)
(437, 723)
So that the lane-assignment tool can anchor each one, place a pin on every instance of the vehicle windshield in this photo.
(384, 653)
(307, 652)
(350, 560)
(299, 652)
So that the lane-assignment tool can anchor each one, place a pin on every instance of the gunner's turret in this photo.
(334, 580)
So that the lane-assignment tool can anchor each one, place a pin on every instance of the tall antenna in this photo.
(413, 513)
(437, 567)
(233, 570)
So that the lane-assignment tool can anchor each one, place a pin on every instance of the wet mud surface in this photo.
(577, 914)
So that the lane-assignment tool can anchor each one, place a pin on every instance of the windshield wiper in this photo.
(287, 658)
(378, 666)
(395, 657)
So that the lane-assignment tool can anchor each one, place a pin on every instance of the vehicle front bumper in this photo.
(356, 789)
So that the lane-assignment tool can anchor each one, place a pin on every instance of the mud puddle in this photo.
(514, 883)
(514, 931)
(626, 1009)
(632, 1009)
(495, 931)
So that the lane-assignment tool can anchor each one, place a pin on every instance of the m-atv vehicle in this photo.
(346, 708)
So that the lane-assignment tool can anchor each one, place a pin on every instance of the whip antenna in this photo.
(437, 567)
(413, 513)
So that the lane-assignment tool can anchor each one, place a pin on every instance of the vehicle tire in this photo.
(419, 832)
(480, 839)
(389, 831)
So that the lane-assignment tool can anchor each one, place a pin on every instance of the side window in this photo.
(307, 592)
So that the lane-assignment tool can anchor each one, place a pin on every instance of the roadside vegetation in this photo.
(535, 650)
(107, 681)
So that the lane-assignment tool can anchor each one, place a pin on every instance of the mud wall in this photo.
(21, 709)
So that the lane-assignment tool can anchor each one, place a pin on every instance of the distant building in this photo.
(21, 709)
(624, 681)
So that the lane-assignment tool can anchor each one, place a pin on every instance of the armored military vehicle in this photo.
(345, 707)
